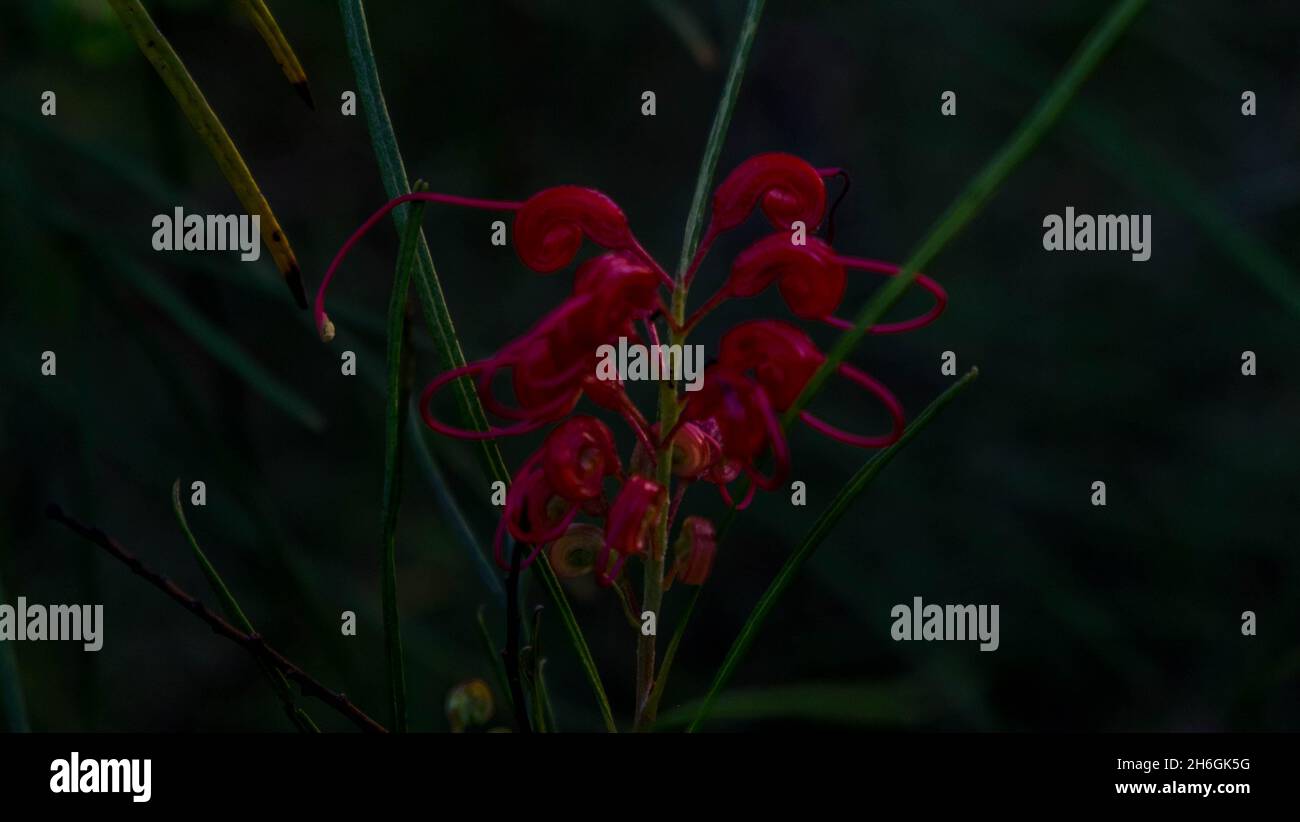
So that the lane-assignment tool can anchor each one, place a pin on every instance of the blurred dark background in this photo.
(1093, 367)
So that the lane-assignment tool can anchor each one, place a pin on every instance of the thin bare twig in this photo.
(253, 643)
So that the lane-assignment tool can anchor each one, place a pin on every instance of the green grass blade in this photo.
(262, 19)
(392, 169)
(980, 189)
(234, 613)
(429, 290)
(219, 345)
(207, 125)
(841, 704)
(825, 522)
(13, 709)
(395, 404)
(718, 133)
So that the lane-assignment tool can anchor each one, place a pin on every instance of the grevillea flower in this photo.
(728, 430)
(566, 474)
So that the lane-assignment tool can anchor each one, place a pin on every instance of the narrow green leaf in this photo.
(234, 613)
(979, 190)
(825, 522)
(273, 36)
(392, 169)
(429, 290)
(841, 704)
(207, 125)
(718, 133)
(395, 404)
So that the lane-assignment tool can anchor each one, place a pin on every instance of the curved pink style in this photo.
(323, 326)
(891, 270)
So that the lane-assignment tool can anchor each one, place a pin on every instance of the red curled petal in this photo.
(531, 496)
(784, 186)
(577, 456)
(781, 357)
(550, 226)
(810, 277)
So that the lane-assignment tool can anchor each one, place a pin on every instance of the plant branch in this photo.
(236, 614)
(669, 408)
(251, 642)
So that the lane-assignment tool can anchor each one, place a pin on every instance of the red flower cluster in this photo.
(724, 430)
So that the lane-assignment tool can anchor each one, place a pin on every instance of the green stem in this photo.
(669, 407)
(235, 615)
(429, 290)
(717, 135)
(980, 189)
(395, 405)
(666, 667)
(820, 529)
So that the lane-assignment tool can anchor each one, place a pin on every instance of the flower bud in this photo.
(574, 554)
(469, 703)
(694, 550)
(632, 516)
